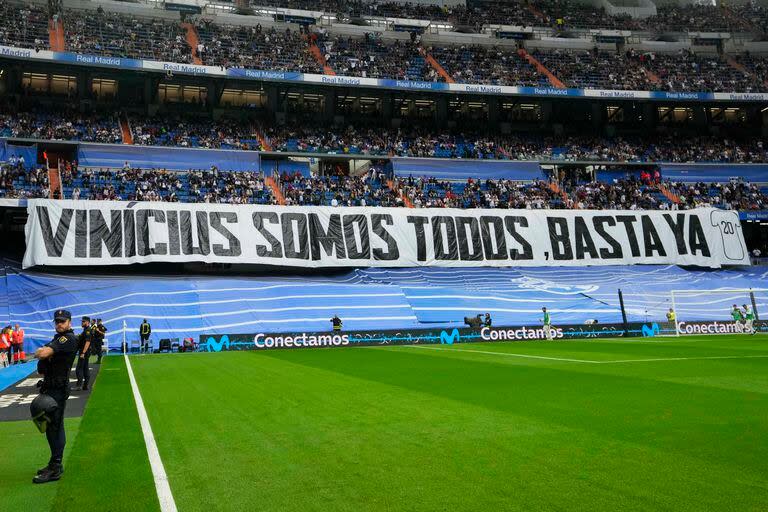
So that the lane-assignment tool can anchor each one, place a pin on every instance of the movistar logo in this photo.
(211, 345)
(651, 331)
(448, 339)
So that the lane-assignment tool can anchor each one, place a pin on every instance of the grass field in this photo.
(572, 425)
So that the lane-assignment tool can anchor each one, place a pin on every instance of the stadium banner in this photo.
(68, 232)
(438, 335)
(383, 83)
(450, 336)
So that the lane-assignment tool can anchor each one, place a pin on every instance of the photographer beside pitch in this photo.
(54, 363)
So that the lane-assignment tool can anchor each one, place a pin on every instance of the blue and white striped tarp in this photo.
(372, 298)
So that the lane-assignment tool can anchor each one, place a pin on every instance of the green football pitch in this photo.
(662, 424)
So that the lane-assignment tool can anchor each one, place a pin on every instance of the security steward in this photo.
(336, 322)
(54, 363)
(84, 341)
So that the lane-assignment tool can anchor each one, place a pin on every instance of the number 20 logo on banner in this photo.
(728, 223)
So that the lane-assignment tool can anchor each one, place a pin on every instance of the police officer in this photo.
(54, 362)
(84, 354)
(144, 331)
(336, 322)
(100, 331)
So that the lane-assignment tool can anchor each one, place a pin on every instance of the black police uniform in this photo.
(97, 344)
(55, 384)
(82, 371)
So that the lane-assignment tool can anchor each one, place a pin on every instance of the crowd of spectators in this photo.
(123, 35)
(127, 36)
(23, 25)
(477, 64)
(253, 47)
(19, 182)
(136, 184)
(416, 142)
(633, 191)
(757, 66)
(630, 193)
(369, 189)
(736, 195)
(371, 57)
(63, 126)
(622, 194)
(230, 187)
(169, 130)
(692, 17)
(596, 69)
(756, 16)
(374, 140)
(687, 71)
(707, 149)
(433, 193)
(558, 14)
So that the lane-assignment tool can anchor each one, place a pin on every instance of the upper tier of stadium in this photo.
(583, 60)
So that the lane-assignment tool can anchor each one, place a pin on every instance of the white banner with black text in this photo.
(120, 233)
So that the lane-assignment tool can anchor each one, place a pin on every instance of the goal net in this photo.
(722, 311)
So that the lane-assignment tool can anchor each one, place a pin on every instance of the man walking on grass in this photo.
(749, 319)
(547, 323)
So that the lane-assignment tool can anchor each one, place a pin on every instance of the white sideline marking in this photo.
(683, 359)
(164, 495)
(589, 361)
(509, 354)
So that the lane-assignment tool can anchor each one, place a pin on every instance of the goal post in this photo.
(712, 311)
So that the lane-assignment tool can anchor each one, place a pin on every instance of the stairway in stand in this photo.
(125, 130)
(554, 187)
(190, 34)
(436, 65)
(318, 55)
(54, 179)
(56, 34)
(556, 82)
(406, 200)
(275, 188)
(674, 198)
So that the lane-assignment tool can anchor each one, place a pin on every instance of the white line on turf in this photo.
(761, 356)
(164, 494)
(589, 361)
(527, 356)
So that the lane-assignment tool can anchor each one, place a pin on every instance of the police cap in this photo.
(62, 314)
